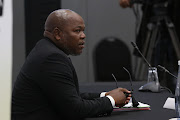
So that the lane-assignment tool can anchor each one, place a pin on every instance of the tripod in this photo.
(151, 39)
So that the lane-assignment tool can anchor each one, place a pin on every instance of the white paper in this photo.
(173, 119)
(170, 103)
(141, 105)
(130, 105)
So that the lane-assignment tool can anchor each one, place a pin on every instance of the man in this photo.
(47, 86)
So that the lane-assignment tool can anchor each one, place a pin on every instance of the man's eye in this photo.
(78, 31)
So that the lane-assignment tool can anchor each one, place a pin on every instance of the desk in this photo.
(155, 100)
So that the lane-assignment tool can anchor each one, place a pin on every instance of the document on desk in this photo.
(170, 103)
(141, 105)
(129, 107)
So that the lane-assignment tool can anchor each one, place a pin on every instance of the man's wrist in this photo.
(112, 100)
(103, 94)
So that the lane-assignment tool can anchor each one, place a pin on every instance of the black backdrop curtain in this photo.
(36, 12)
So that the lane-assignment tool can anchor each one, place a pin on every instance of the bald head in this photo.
(66, 29)
(58, 18)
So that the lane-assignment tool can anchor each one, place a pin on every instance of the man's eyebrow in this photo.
(81, 27)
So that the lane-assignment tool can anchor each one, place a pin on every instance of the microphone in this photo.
(161, 68)
(136, 47)
(130, 78)
(153, 82)
(134, 102)
(126, 94)
(115, 80)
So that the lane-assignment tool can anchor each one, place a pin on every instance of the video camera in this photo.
(158, 7)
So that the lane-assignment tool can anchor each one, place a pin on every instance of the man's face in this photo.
(73, 35)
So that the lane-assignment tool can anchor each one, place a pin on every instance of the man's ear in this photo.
(57, 33)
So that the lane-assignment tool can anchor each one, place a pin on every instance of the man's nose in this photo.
(83, 35)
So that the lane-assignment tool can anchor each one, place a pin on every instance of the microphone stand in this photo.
(152, 84)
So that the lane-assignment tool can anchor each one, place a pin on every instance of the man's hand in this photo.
(119, 96)
(124, 3)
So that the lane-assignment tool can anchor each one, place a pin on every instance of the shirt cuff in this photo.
(112, 100)
(103, 94)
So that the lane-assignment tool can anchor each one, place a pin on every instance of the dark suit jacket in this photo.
(47, 88)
